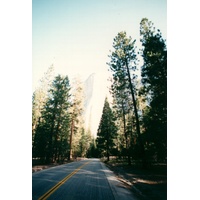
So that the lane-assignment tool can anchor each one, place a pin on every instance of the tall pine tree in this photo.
(154, 79)
(123, 64)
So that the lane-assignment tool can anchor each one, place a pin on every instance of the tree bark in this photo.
(134, 101)
(125, 133)
(71, 137)
(136, 115)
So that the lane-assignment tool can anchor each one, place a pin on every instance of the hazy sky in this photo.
(76, 36)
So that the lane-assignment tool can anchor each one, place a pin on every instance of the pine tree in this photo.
(122, 106)
(154, 79)
(123, 64)
(107, 131)
(40, 97)
(53, 130)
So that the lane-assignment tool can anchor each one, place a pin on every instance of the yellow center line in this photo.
(54, 188)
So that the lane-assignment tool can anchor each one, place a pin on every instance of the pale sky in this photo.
(76, 36)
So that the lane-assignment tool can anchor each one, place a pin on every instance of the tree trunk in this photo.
(71, 137)
(134, 101)
(108, 156)
(125, 133)
(56, 139)
(107, 147)
(50, 150)
(136, 116)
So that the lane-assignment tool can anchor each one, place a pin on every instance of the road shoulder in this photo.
(120, 191)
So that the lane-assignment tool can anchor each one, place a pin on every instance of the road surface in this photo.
(85, 180)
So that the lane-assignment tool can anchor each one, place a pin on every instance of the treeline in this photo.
(58, 131)
(135, 126)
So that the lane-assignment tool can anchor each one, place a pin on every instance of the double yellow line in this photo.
(53, 189)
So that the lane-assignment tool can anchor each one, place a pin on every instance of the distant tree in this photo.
(38, 102)
(154, 80)
(93, 151)
(84, 143)
(107, 131)
(76, 117)
(40, 97)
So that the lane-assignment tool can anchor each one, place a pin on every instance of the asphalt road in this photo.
(85, 180)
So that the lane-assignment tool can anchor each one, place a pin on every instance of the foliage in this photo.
(123, 64)
(154, 79)
(107, 132)
(136, 125)
(52, 132)
(76, 118)
(84, 143)
(142, 134)
(60, 131)
(40, 97)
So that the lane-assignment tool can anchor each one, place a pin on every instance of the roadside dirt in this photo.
(41, 167)
(148, 184)
(36, 168)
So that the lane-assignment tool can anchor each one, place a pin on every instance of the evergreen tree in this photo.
(122, 105)
(107, 132)
(123, 65)
(76, 117)
(154, 79)
(93, 151)
(40, 97)
(53, 130)
(84, 143)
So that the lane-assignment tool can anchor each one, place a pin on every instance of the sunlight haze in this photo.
(76, 36)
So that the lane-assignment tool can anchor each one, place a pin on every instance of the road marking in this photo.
(54, 188)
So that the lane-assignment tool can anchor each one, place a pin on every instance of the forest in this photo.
(133, 127)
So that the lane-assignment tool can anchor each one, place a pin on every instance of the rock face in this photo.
(88, 88)
(95, 93)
